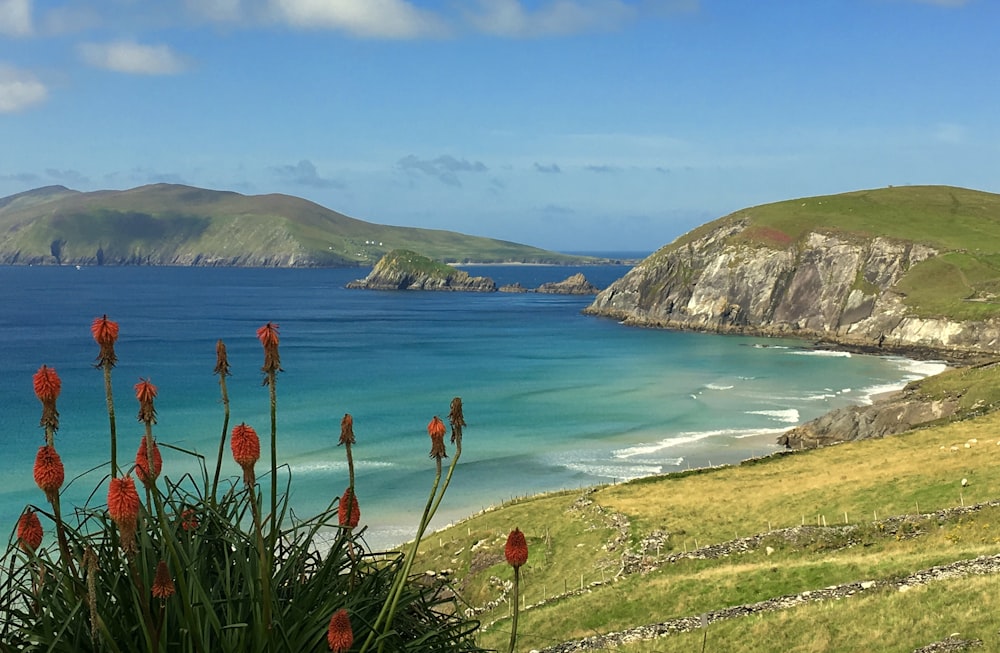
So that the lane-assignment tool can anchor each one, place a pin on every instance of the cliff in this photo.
(406, 270)
(861, 274)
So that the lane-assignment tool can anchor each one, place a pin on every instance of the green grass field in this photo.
(574, 587)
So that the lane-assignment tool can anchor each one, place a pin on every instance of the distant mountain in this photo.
(912, 269)
(169, 224)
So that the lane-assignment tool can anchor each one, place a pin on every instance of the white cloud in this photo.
(510, 18)
(219, 10)
(391, 19)
(134, 58)
(19, 89)
(15, 17)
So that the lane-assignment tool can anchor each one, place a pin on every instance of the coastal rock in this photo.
(891, 416)
(515, 287)
(574, 285)
(826, 286)
(402, 269)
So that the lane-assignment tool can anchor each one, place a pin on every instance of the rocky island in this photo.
(403, 269)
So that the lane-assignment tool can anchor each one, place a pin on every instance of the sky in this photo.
(573, 125)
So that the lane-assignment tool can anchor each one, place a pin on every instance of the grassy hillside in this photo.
(166, 223)
(962, 225)
(616, 557)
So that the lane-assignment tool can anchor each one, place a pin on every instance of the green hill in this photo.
(962, 225)
(167, 224)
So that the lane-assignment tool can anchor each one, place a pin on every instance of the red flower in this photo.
(163, 584)
(348, 511)
(189, 520)
(49, 472)
(123, 506)
(105, 333)
(145, 392)
(246, 450)
(347, 430)
(47, 384)
(436, 430)
(142, 461)
(516, 549)
(268, 336)
(29, 530)
(339, 634)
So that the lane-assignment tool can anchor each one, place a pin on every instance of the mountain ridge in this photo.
(173, 224)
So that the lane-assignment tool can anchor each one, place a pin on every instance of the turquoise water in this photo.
(553, 399)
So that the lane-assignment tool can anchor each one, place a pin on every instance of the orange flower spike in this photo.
(142, 471)
(49, 472)
(268, 336)
(437, 430)
(347, 430)
(246, 450)
(189, 520)
(163, 584)
(105, 334)
(348, 511)
(47, 384)
(123, 507)
(29, 530)
(145, 392)
(339, 635)
(516, 549)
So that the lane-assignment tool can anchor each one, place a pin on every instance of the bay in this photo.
(553, 399)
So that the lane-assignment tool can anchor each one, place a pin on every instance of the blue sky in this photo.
(567, 124)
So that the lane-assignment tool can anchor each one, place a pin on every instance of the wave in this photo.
(620, 472)
(820, 352)
(787, 415)
(336, 466)
(688, 437)
(716, 386)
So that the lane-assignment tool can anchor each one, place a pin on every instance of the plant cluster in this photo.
(199, 563)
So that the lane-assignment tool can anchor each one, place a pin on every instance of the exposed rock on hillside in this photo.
(574, 285)
(891, 416)
(825, 286)
(406, 270)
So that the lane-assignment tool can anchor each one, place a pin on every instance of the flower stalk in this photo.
(105, 334)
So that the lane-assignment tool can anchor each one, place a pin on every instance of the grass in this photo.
(577, 539)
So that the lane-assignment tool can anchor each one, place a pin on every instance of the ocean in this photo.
(553, 399)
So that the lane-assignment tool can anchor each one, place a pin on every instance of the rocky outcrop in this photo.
(893, 415)
(574, 285)
(406, 270)
(825, 286)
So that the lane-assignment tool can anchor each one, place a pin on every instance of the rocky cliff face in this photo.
(825, 287)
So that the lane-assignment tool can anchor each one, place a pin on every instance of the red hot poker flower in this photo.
(246, 450)
(516, 549)
(49, 472)
(29, 530)
(348, 511)
(436, 430)
(347, 430)
(189, 519)
(47, 384)
(268, 336)
(339, 635)
(123, 506)
(221, 359)
(145, 392)
(163, 584)
(142, 461)
(105, 333)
